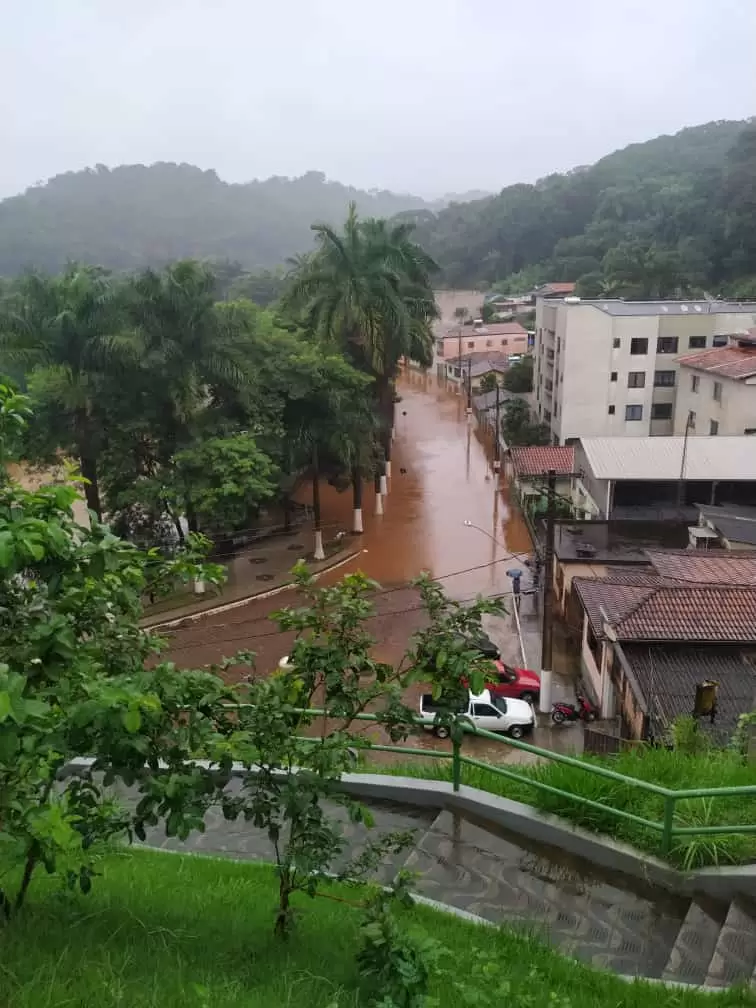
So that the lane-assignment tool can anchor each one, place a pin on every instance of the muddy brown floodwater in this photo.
(442, 476)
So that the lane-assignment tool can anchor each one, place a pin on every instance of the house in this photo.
(528, 469)
(663, 477)
(732, 527)
(649, 641)
(507, 337)
(717, 389)
(607, 367)
(474, 366)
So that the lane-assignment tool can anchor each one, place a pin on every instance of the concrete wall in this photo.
(735, 413)
(477, 342)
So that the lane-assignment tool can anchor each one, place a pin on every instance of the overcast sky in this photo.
(427, 96)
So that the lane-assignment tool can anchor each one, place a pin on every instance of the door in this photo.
(487, 717)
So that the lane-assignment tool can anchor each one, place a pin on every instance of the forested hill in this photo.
(136, 215)
(672, 215)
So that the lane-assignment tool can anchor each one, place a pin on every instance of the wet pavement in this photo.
(442, 477)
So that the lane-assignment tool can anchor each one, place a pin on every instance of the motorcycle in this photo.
(582, 711)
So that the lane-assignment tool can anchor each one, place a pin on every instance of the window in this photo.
(547, 415)
(666, 344)
(661, 411)
(691, 425)
(638, 346)
(697, 343)
(695, 381)
(550, 355)
(633, 412)
(616, 343)
(610, 411)
(664, 379)
(717, 392)
(504, 342)
(559, 343)
(549, 385)
(489, 342)
(719, 341)
(713, 427)
(484, 710)
(471, 345)
(636, 379)
(613, 376)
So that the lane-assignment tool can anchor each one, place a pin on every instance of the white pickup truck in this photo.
(491, 713)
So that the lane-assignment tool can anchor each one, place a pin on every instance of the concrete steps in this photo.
(695, 943)
(734, 957)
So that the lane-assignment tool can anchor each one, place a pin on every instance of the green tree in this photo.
(519, 376)
(67, 331)
(517, 427)
(489, 382)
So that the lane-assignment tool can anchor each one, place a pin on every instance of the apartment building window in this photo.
(549, 385)
(610, 411)
(633, 412)
(504, 342)
(636, 379)
(719, 341)
(695, 382)
(664, 379)
(639, 345)
(666, 344)
(616, 343)
(713, 427)
(546, 415)
(550, 355)
(613, 376)
(471, 345)
(717, 392)
(661, 411)
(691, 420)
(697, 343)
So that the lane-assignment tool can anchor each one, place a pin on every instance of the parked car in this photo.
(522, 683)
(491, 713)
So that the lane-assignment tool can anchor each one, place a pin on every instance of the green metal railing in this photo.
(665, 827)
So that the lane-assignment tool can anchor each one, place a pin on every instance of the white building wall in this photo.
(735, 413)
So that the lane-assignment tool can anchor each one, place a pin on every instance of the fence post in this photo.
(669, 816)
(456, 764)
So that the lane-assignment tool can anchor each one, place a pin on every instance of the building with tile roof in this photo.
(717, 389)
(650, 637)
(538, 461)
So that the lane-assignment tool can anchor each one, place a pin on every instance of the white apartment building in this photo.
(716, 390)
(608, 368)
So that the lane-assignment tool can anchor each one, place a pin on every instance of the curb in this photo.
(237, 603)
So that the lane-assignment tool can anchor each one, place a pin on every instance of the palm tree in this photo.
(67, 331)
(367, 291)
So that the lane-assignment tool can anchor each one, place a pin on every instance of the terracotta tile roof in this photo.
(554, 288)
(538, 461)
(671, 611)
(710, 567)
(730, 361)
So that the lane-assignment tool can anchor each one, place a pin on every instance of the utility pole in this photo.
(459, 358)
(469, 386)
(497, 425)
(681, 484)
(547, 627)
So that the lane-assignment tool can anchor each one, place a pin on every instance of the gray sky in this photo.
(427, 96)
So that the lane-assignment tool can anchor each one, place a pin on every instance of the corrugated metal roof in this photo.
(660, 458)
(618, 307)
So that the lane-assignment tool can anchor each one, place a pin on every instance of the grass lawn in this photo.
(169, 931)
(671, 769)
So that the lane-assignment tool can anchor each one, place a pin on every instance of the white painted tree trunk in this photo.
(357, 520)
(199, 586)
(319, 551)
(388, 469)
(379, 504)
(384, 486)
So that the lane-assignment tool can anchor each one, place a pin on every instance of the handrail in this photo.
(666, 827)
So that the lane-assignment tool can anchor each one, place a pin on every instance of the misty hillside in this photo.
(137, 215)
(674, 213)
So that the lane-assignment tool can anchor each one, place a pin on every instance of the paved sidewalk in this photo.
(256, 573)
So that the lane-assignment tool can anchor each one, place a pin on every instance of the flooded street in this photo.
(442, 477)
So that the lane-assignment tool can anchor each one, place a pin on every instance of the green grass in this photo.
(169, 931)
(670, 769)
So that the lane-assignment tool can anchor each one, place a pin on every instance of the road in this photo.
(442, 477)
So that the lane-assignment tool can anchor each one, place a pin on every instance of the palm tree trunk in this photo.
(356, 499)
(87, 462)
(319, 553)
(384, 413)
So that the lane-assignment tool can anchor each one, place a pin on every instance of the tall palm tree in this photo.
(67, 332)
(366, 289)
